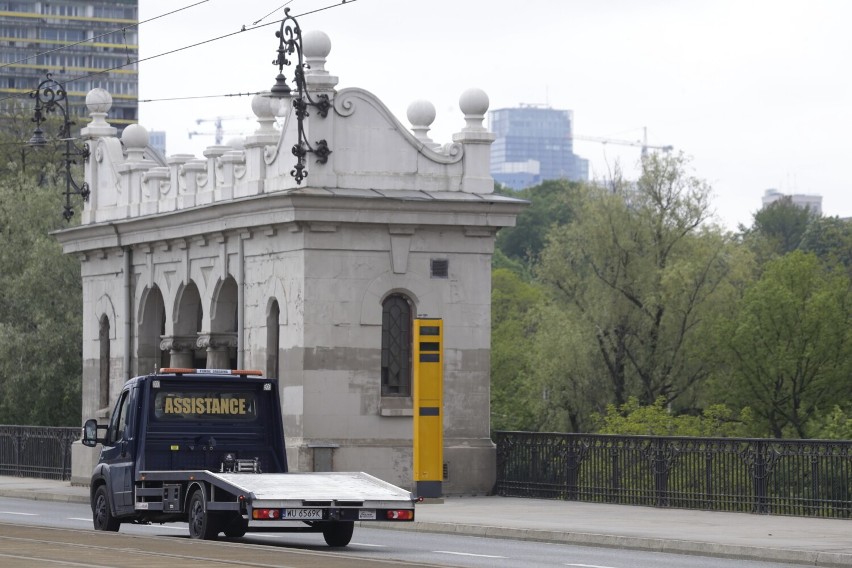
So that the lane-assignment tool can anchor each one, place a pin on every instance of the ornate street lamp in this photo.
(290, 43)
(51, 97)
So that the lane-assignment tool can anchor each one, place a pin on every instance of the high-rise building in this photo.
(534, 143)
(84, 44)
(812, 202)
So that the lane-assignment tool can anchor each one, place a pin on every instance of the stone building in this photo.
(226, 261)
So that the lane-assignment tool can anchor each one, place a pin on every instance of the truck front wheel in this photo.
(101, 514)
(202, 524)
(338, 533)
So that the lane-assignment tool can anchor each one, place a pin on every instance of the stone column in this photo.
(180, 350)
(217, 346)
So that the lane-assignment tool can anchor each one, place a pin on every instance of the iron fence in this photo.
(37, 451)
(780, 477)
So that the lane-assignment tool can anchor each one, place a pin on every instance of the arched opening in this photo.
(187, 325)
(152, 326)
(273, 344)
(223, 326)
(396, 345)
(103, 363)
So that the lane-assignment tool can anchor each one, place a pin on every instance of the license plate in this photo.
(367, 514)
(302, 514)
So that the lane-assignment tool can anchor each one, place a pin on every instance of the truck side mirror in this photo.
(90, 433)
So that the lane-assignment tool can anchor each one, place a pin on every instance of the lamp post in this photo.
(290, 44)
(51, 97)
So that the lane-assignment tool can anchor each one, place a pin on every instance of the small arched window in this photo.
(396, 346)
(273, 346)
(103, 363)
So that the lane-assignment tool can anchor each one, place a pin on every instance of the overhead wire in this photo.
(87, 40)
(190, 46)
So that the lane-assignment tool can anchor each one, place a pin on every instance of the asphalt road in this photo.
(369, 547)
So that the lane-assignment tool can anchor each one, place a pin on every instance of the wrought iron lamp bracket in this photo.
(290, 52)
(51, 97)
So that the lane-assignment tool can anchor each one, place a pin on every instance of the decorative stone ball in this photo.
(236, 143)
(135, 136)
(261, 108)
(474, 102)
(421, 113)
(99, 100)
(316, 44)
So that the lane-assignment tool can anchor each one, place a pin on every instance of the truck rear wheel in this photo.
(101, 513)
(202, 523)
(338, 533)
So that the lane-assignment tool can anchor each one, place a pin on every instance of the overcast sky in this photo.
(757, 92)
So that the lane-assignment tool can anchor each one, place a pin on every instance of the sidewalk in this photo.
(814, 542)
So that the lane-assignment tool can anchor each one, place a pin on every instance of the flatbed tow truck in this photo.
(206, 447)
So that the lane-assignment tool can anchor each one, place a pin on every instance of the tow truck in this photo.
(206, 447)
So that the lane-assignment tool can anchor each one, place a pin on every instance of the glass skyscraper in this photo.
(534, 143)
(33, 39)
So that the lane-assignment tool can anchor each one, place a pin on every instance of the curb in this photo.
(43, 496)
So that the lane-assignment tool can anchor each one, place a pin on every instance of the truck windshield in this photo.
(195, 405)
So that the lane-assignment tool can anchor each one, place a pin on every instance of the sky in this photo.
(757, 93)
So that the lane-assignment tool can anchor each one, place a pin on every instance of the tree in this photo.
(551, 203)
(789, 344)
(40, 308)
(830, 239)
(641, 270)
(512, 299)
(779, 228)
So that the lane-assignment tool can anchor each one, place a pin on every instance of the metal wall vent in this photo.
(440, 268)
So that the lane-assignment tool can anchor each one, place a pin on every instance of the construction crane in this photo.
(637, 143)
(219, 132)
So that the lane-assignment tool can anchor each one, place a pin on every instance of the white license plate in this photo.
(367, 514)
(302, 514)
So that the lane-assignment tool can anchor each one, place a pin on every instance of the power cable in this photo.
(173, 51)
(136, 25)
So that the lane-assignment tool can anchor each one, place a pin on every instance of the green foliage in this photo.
(511, 396)
(830, 239)
(836, 425)
(641, 271)
(551, 204)
(789, 345)
(631, 418)
(40, 308)
(779, 228)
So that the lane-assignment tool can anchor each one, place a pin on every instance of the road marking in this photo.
(78, 519)
(588, 566)
(465, 554)
(16, 513)
(365, 544)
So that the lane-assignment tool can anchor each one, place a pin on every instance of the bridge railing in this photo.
(37, 451)
(781, 477)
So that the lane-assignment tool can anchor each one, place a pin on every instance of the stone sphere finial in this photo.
(98, 100)
(474, 104)
(135, 138)
(421, 114)
(262, 109)
(316, 45)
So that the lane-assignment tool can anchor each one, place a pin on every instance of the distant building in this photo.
(534, 144)
(51, 37)
(157, 139)
(812, 202)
